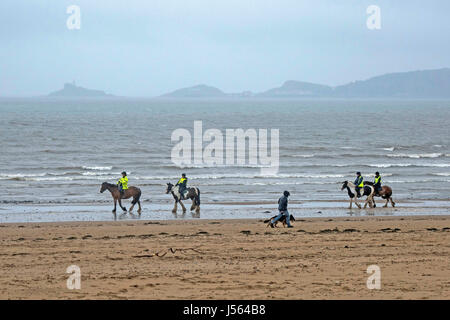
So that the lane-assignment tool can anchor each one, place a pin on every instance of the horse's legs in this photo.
(182, 206)
(370, 201)
(115, 205)
(392, 202)
(140, 209)
(386, 204)
(351, 202)
(120, 204)
(196, 205)
(197, 208)
(192, 205)
(356, 202)
(174, 210)
(374, 204)
(131, 208)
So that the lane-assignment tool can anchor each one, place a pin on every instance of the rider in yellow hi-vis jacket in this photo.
(123, 183)
(359, 183)
(182, 184)
(377, 182)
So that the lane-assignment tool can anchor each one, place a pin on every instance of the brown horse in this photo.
(385, 193)
(130, 192)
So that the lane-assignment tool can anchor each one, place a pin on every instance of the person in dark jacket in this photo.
(282, 208)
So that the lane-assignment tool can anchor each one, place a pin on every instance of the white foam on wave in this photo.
(390, 165)
(90, 173)
(97, 168)
(247, 176)
(303, 155)
(4, 176)
(62, 178)
(415, 155)
(384, 175)
(412, 181)
(389, 149)
(206, 166)
(442, 174)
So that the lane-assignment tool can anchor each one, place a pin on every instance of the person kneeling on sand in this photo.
(282, 207)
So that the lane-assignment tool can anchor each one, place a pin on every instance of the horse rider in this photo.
(282, 208)
(182, 185)
(123, 183)
(359, 183)
(377, 182)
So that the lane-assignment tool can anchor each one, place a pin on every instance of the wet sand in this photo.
(320, 258)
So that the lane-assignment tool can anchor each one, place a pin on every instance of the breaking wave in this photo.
(416, 155)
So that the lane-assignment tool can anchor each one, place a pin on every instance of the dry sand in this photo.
(228, 259)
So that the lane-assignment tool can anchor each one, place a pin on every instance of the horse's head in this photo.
(344, 185)
(104, 187)
(169, 188)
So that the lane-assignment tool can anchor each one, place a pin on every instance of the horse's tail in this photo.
(197, 196)
(388, 192)
(137, 197)
(385, 192)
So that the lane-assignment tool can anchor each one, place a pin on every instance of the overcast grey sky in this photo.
(146, 48)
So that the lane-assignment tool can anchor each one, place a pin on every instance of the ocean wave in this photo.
(5, 176)
(389, 149)
(245, 176)
(302, 155)
(391, 165)
(90, 173)
(206, 166)
(412, 181)
(415, 155)
(57, 178)
(442, 174)
(97, 168)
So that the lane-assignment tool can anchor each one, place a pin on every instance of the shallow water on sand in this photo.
(56, 153)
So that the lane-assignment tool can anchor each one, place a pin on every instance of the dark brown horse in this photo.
(385, 193)
(130, 192)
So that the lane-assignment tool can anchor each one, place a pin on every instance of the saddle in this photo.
(183, 194)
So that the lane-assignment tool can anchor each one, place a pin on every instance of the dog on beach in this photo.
(282, 220)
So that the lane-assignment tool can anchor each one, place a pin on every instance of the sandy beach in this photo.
(320, 258)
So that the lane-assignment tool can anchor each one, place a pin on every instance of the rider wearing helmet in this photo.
(182, 184)
(123, 183)
(377, 182)
(359, 183)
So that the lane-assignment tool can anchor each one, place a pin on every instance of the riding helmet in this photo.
(286, 193)
(124, 173)
(358, 173)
